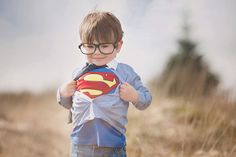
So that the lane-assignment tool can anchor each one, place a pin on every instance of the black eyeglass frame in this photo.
(97, 47)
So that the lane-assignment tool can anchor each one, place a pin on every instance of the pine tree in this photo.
(186, 73)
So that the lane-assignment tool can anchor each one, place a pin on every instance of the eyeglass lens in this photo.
(91, 48)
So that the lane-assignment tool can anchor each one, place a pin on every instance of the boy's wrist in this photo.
(135, 97)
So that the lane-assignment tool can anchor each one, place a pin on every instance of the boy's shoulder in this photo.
(127, 72)
(125, 67)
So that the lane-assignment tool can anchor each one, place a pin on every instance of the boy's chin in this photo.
(99, 63)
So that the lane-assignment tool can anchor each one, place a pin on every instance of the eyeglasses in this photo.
(104, 48)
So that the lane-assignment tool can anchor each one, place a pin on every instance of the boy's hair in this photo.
(103, 27)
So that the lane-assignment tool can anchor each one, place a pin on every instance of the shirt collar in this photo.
(113, 64)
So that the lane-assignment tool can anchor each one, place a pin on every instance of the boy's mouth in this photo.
(98, 58)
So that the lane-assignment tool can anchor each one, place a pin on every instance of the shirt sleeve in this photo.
(145, 97)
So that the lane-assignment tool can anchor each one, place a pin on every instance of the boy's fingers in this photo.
(123, 88)
(73, 82)
(72, 85)
(124, 85)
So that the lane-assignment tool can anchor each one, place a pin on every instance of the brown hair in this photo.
(103, 27)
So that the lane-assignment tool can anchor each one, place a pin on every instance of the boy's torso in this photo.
(95, 100)
(89, 103)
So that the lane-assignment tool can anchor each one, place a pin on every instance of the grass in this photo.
(177, 127)
(32, 125)
(168, 128)
(209, 125)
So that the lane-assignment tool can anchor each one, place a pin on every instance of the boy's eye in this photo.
(89, 46)
(104, 46)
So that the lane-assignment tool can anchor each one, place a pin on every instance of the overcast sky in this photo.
(38, 39)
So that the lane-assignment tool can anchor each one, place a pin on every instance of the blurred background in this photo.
(183, 50)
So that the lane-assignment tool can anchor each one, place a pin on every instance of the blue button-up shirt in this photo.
(109, 108)
(97, 132)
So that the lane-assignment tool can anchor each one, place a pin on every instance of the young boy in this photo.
(100, 93)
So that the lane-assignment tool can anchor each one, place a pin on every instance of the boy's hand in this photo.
(128, 93)
(68, 89)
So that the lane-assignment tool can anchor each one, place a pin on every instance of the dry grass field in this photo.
(181, 128)
(32, 126)
(35, 126)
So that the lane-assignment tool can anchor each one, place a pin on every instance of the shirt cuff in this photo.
(143, 102)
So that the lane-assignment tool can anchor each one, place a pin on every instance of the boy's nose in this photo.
(97, 51)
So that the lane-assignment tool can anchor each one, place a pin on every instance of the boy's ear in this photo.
(119, 45)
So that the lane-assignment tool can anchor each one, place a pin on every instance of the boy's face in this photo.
(100, 59)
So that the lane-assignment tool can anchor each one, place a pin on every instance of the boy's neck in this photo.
(112, 64)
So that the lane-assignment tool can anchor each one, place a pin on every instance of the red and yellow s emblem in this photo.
(96, 83)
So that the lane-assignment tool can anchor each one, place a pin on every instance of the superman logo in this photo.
(97, 83)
